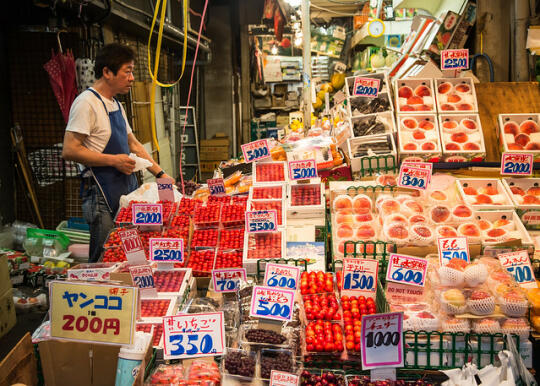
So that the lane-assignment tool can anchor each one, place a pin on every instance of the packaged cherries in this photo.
(269, 172)
(306, 200)
(462, 138)
(456, 95)
(419, 138)
(414, 95)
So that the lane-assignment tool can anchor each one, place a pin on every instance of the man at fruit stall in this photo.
(99, 137)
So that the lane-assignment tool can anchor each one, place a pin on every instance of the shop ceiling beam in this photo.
(306, 53)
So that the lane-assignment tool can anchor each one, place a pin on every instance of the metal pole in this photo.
(521, 17)
(306, 52)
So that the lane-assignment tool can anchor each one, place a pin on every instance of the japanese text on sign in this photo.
(93, 312)
(228, 279)
(382, 340)
(413, 178)
(132, 245)
(216, 186)
(271, 303)
(366, 87)
(360, 277)
(193, 335)
(518, 265)
(255, 150)
(281, 276)
(166, 249)
(302, 169)
(165, 189)
(420, 165)
(280, 378)
(520, 164)
(455, 59)
(142, 276)
(453, 248)
(406, 270)
(261, 221)
(147, 214)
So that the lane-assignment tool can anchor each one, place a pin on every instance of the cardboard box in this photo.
(5, 282)
(209, 166)
(7, 312)
(214, 155)
(19, 366)
(212, 149)
(219, 140)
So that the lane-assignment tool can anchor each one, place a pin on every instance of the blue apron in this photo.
(112, 182)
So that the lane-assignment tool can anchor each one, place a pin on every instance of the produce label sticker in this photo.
(518, 265)
(256, 150)
(406, 270)
(360, 277)
(166, 250)
(421, 165)
(132, 246)
(413, 178)
(228, 279)
(455, 59)
(93, 313)
(366, 87)
(261, 221)
(271, 303)
(517, 164)
(382, 340)
(280, 378)
(165, 189)
(453, 248)
(281, 276)
(193, 335)
(216, 186)
(143, 277)
(147, 214)
(302, 169)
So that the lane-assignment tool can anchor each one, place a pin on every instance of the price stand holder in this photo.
(413, 177)
(453, 248)
(518, 264)
(147, 216)
(281, 276)
(216, 186)
(228, 279)
(261, 221)
(405, 269)
(272, 303)
(517, 164)
(132, 246)
(382, 340)
(166, 252)
(256, 150)
(302, 169)
(455, 59)
(165, 189)
(143, 278)
(360, 277)
(366, 87)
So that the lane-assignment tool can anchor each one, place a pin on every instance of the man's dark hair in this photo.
(113, 56)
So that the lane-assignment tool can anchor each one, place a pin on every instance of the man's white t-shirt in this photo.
(88, 116)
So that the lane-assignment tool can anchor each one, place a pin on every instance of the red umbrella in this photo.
(61, 70)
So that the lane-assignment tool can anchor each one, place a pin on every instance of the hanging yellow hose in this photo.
(154, 73)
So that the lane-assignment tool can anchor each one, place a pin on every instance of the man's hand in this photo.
(169, 178)
(123, 163)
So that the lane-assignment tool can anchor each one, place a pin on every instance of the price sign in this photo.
(193, 335)
(366, 87)
(271, 303)
(517, 164)
(518, 265)
(453, 248)
(421, 165)
(281, 276)
(228, 279)
(413, 178)
(147, 214)
(165, 189)
(455, 59)
(256, 150)
(302, 169)
(142, 277)
(382, 340)
(406, 270)
(360, 277)
(166, 250)
(94, 313)
(280, 378)
(261, 221)
(216, 186)
(132, 246)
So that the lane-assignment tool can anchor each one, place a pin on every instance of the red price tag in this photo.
(382, 340)
(256, 150)
(407, 270)
(413, 178)
(216, 186)
(421, 165)
(453, 248)
(518, 264)
(366, 87)
(517, 164)
(455, 59)
(228, 279)
(280, 378)
(132, 245)
(360, 277)
(302, 169)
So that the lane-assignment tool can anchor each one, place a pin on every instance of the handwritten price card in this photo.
(413, 178)
(147, 214)
(272, 303)
(280, 378)
(255, 150)
(193, 335)
(143, 277)
(281, 276)
(421, 165)
(228, 279)
(166, 250)
(453, 248)
(360, 277)
(261, 221)
(382, 340)
(216, 186)
(517, 164)
(366, 87)
(165, 189)
(518, 265)
(406, 270)
(132, 246)
(455, 59)
(302, 169)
